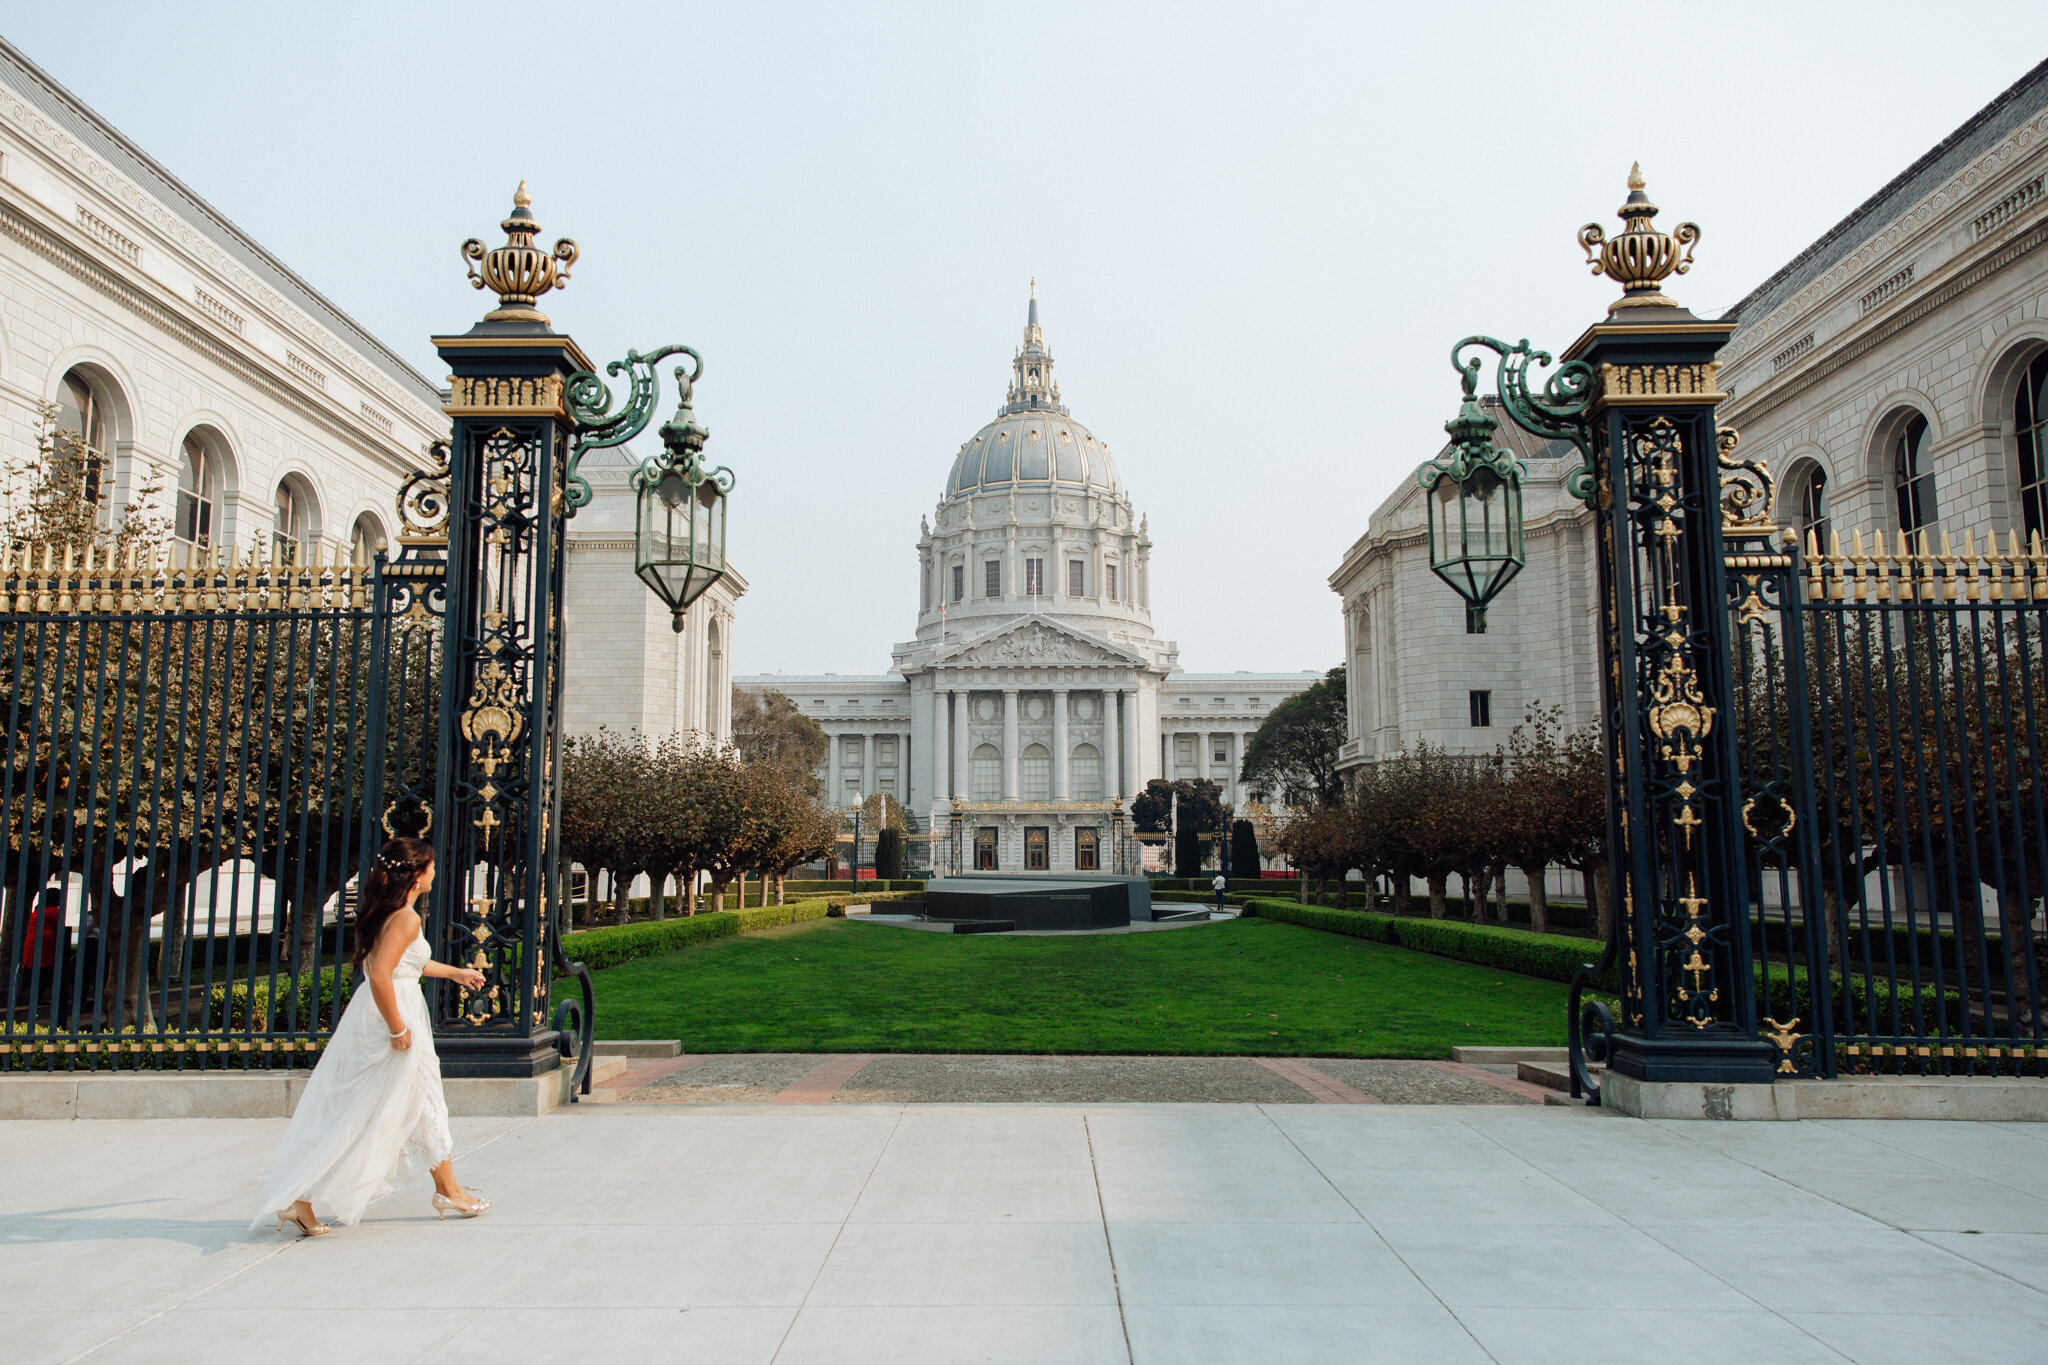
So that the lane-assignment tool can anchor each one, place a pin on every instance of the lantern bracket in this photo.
(1558, 413)
(597, 426)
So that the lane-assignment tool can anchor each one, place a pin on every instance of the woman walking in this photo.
(373, 1115)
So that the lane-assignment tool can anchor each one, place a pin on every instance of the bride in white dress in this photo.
(373, 1115)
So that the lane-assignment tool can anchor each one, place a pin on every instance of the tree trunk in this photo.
(1302, 892)
(1438, 890)
(657, 903)
(1837, 939)
(1498, 872)
(717, 897)
(2016, 922)
(778, 888)
(1472, 883)
(1402, 892)
(1539, 900)
(622, 896)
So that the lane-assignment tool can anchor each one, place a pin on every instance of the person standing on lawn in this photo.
(1222, 884)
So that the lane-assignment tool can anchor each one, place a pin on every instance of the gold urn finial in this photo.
(1640, 257)
(519, 270)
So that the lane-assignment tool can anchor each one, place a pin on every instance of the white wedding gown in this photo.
(373, 1117)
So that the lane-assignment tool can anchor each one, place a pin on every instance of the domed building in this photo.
(1035, 691)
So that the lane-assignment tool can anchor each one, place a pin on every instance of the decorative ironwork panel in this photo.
(200, 747)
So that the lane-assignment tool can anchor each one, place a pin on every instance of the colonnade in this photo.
(952, 735)
(868, 752)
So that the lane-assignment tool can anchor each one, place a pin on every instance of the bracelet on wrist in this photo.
(402, 1032)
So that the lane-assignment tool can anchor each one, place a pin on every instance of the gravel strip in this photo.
(1411, 1082)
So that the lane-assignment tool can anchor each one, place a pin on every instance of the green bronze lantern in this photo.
(679, 533)
(1475, 506)
(679, 522)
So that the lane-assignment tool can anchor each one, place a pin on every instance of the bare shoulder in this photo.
(402, 928)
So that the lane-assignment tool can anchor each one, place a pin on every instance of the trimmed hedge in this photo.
(1552, 957)
(601, 948)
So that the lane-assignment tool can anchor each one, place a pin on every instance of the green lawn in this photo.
(1246, 986)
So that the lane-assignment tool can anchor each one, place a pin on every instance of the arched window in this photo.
(1913, 477)
(1811, 489)
(198, 507)
(988, 774)
(366, 541)
(2030, 421)
(82, 433)
(291, 526)
(1034, 773)
(1087, 773)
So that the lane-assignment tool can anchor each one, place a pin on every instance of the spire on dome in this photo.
(1031, 384)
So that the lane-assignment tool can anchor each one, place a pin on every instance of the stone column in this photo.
(963, 745)
(1009, 744)
(1059, 745)
(865, 751)
(1236, 762)
(1112, 749)
(832, 771)
(941, 745)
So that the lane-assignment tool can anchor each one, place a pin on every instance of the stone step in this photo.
(1553, 1075)
(640, 1049)
(1506, 1056)
(605, 1066)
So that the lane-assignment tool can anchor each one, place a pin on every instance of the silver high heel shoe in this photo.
(316, 1229)
(443, 1205)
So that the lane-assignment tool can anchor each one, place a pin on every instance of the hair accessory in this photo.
(395, 864)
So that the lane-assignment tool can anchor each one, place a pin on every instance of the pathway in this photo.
(802, 1233)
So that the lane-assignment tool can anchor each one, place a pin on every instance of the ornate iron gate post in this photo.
(500, 689)
(1676, 842)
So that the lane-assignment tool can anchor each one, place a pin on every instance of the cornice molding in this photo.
(194, 337)
(1912, 223)
(30, 123)
(1844, 352)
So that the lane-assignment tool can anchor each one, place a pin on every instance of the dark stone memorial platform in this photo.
(1040, 900)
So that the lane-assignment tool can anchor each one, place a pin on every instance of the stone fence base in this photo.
(1986, 1099)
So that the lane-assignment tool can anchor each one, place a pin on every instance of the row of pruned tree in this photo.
(1425, 815)
(682, 811)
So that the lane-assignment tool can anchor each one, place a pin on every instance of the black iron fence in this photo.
(1891, 707)
(197, 762)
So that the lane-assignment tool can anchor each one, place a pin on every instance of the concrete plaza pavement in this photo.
(899, 1233)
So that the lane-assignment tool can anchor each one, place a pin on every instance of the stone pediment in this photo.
(1037, 644)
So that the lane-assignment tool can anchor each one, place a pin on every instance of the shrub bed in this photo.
(1553, 957)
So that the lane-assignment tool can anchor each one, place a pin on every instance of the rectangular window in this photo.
(985, 849)
(1034, 578)
(852, 791)
(992, 578)
(1184, 751)
(1077, 574)
(1034, 848)
(959, 581)
(1086, 846)
(1109, 582)
(1475, 620)
(1223, 755)
(1482, 709)
(849, 752)
(887, 784)
(885, 751)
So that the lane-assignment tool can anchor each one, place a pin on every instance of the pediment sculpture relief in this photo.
(1036, 644)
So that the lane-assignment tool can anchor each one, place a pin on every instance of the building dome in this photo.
(1033, 439)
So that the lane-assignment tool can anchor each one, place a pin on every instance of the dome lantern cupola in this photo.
(1032, 387)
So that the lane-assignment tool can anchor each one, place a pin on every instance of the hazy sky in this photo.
(1256, 230)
